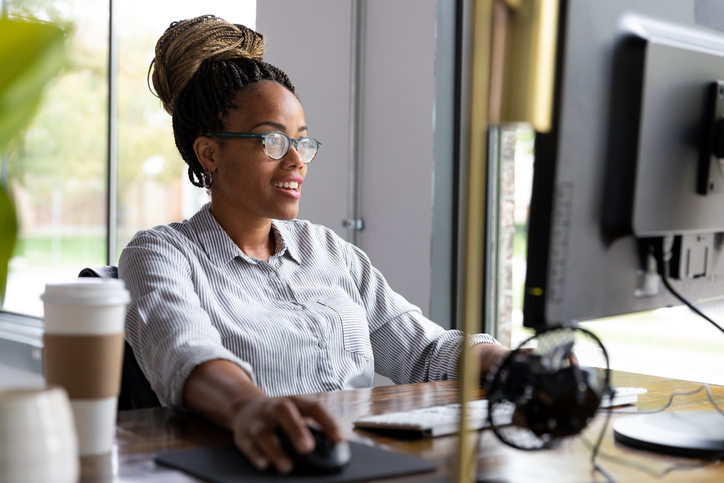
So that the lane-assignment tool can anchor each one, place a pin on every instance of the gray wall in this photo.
(311, 40)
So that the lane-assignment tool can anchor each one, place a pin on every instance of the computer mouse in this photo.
(326, 457)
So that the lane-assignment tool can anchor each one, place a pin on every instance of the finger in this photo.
(260, 432)
(255, 457)
(290, 419)
(268, 445)
(572, 359)
(320, 414)
(253, 435)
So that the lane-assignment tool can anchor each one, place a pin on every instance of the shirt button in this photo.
(272, 275)
(322, 344)
(298, 308)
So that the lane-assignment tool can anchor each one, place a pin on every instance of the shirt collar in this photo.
(284, 241)
(220, 248)
(213, 239)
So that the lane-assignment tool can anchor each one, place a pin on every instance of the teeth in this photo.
(287, 184)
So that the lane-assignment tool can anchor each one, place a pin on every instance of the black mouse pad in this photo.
(226, 464)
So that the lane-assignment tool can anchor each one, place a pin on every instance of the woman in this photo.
(241, 307)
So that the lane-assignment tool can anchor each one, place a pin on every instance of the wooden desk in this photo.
(143, 434)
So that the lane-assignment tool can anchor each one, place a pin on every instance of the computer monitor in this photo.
(633, 161)
(623, 164)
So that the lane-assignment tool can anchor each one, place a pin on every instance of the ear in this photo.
(207, 151)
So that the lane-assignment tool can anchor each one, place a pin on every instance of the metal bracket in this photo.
(711, 155)
(357, 224)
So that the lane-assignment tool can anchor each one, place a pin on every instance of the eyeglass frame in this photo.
(263, 136)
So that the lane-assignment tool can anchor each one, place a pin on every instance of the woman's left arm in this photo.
(407, 346)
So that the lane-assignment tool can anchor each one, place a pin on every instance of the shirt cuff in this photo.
(476, 339)
(447, 364)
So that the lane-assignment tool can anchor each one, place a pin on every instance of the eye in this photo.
(306, 143)
(276, 145)
(307, 148)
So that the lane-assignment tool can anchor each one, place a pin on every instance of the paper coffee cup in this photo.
(38, 441)
(83, 352)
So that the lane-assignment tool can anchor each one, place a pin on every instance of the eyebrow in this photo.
(277, 126)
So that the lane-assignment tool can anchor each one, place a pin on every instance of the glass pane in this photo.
(522, 186)
(153, 184)
(57, 172)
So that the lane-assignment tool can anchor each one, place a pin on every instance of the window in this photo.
(58, 172)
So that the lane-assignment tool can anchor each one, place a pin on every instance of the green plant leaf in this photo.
(9, 230)
(31, 53)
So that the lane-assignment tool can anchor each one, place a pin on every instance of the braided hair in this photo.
(199, 66)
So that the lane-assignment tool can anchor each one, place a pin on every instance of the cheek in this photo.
(255, 176)
(244, 172)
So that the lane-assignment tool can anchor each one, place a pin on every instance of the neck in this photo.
(252, 235)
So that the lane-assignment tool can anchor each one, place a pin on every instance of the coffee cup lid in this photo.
(90, 291)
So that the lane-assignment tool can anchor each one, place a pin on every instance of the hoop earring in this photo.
(208, 180)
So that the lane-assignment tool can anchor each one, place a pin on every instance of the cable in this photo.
(711, 399)
(610, 478)
(595, 450)
(663, 269)
(671, 400)
(689, 304)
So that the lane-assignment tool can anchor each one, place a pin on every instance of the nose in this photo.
(293, 159)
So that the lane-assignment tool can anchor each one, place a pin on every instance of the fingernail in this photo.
(284, 466)
(261, 464)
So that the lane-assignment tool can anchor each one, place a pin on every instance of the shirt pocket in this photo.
(353, 320)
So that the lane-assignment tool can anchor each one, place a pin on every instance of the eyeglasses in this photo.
(277, 144)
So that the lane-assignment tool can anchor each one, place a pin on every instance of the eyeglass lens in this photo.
(277, 146)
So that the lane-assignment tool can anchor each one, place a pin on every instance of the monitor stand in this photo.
(697, 434)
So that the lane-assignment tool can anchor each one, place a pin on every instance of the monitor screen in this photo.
(635, 159)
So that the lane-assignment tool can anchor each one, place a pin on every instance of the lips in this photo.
(289, 187)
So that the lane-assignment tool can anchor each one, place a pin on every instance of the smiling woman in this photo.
(251, 187)
(241, 308)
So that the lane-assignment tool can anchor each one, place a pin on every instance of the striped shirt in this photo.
(316, 317)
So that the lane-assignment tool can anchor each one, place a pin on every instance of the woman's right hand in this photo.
(224, 393)
(255, 421)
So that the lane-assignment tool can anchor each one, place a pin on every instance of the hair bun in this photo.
(186, 44)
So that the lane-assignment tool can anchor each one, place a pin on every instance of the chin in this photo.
(287, 215)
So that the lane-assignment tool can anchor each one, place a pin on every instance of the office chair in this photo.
(136, 391)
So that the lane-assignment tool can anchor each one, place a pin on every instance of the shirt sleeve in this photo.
(170, 332)
(407, 346)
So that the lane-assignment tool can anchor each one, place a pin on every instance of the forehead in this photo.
(265, 101)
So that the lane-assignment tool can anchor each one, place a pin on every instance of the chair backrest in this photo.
(136, 391)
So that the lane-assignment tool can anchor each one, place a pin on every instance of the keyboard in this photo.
(443, 420)
(428, 422)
